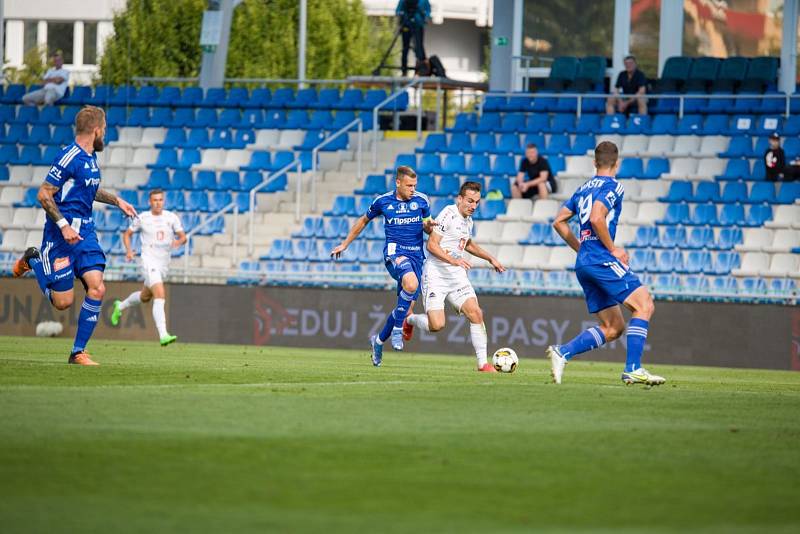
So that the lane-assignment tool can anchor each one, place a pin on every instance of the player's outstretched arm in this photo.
(126, 242)
(355, 231)
(180, 241)
(46, 197)
(428, 225)
(107, 197)
(597, 218)
(561, 226)
(478, 252)
(435, 248)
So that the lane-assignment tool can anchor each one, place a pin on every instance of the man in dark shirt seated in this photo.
(534, 178)
(632, 83)
(775, 162)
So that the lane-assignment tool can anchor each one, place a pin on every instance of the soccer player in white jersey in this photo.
(444, 277)
(162, 231)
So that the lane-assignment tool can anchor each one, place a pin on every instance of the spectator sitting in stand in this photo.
(633, 85)
(534, 179)
(774, 158)
(55, 84)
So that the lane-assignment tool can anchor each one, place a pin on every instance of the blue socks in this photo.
(398, 315)
(637, 336)
(585, 341)
(87, 320)
(41, 278)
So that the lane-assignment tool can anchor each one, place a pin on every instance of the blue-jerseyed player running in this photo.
(69, 244)
(406, 214)
(602, 270)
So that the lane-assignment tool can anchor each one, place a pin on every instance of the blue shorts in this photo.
(63, 262)
(606, 284)
(400, 264)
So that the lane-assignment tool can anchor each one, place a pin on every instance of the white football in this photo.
(505, 360)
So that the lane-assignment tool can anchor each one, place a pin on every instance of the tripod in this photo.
(382, 65)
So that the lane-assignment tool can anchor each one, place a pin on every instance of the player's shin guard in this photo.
(478, 334)
(87, 320)
(133, 299)
(401, 309)
(585, 341)
(160, 317)
(41, 278)
(637, 336)
(419, 320)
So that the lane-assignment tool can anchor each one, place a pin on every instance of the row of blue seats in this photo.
(732, 193)
(170, 158)
(184, 180)
(721, 285)
(716, 215)
(662, 103)
(225, 138)
(348, 206)
(236, 97)
(701, 237)
(377, 184)
(689, 124)
(43, 135)
(204, 201)
(691, 262)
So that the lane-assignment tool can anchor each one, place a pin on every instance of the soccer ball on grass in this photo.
(505, 360)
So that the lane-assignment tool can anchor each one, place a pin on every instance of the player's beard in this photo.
(98, 144)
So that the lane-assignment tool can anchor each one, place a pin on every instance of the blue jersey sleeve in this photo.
(609, 197)
(61, 169)
(374, 209)
(426, 210)
(570, 204)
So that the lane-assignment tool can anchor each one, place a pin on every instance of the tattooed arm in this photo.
(107, 197)
(46, 198)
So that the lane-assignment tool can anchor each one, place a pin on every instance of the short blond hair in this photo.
(89, 118)
(405, 170)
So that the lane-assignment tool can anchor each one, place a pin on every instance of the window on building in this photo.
(732, 28)
(555, 28)
(89, 43)
(645, 25)
(60, 37)
(30, 35)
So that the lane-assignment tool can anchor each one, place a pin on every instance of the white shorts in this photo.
(154, 272)
(438, 286)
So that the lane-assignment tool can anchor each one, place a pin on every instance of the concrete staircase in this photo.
(274, 216)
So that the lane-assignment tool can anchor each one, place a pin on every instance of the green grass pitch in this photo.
(209, 438)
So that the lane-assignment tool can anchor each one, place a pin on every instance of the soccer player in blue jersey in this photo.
(69, 245)
(406, 213)
(603, 272)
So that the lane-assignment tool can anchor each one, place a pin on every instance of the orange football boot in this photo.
(408, 330)
(487, 368)
(21, 266)
(81, 358)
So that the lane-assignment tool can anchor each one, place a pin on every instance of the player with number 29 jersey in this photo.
(608, 191)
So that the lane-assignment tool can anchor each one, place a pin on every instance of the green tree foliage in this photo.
(33, 68)
(161, 38)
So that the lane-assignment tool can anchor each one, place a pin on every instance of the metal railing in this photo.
(661, 96)
(252, 196)
(384, 102)
(315, 152)
(190, 234)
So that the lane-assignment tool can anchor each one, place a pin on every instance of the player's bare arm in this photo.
(428, 225)
(355, 231)
(561, 226)
(179, 242)
(126, 242)
(598, 220)
(474, 249)
(107, 197)
(435, 248)
(46, 198)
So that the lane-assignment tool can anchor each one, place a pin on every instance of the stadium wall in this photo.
(692, 333)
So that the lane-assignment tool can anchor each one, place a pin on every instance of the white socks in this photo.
(132, 300)
(160, 317)
(419, 320)
(479, 341)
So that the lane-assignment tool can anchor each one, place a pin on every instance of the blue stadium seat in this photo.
(29, 200)
(426, 183)
(742, 125)
(434, 143)
(568, 104)
(278, 249)
(16, 133)
(792, 124)
(8, 154)
(197, 201)
(508, 144)
(782, 287)
(188, 157)
(174, 200)
(490, 209)
(168, 97)
(182, 118)
(341, 206)
(50, 154)
(274, 119)
(739, 147)
(251, 118)
(655, 168)
(537, 123)
(666, 104)
(351, 99)
(640, 258)
(535, 234)
(296, 120)
(229, 181)
(679, 191)
(502, 184)
(448, 186)
(723, 263)
(454, 164)
(236, 97)
(559, 144)
(668, 261)
(78, 95)
(221, 138)
(478, 165)
(229, 118)
(728, 239)
(321, 120)
(373, 97)
(612, 124)
(219, 199)
(504, 166)
(561, 123)
(789, 193)
(488, 122)
(48, 116)
(260, 160)
(753, 286)
(63, 135)
(758, 214)
(459, 143)
(181, 180)
(588, 124)
(191, 97)
(259, 98)
(762, 192)
(374, 184)
(311, 140)
(725, 285)
(772, 105)
(484, 143)
(512, 123)
(494, 102)
(768, 124)
(664, 124)
(158, 179)
(708, 192)
(695, 105)
(281, 159)
(675, 214)
(465, 122)
(30, 155)
(631, 168)
(139, 117)
(585, 143)
(645, 236)
(736, 169)
(699, 238)
(704, 214)
(251, 179)
(746, 105)
(715, 125)
(731, 215)
(734, 192)
(696, 262)
(326, 99)
(145, 96)
(160, 117)
(536, 139)
(206, 180)
(13, 94)
(637, 124)
(167, 158)
(430, 164)
(689, 125)
(39, 135)
(671, 237)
